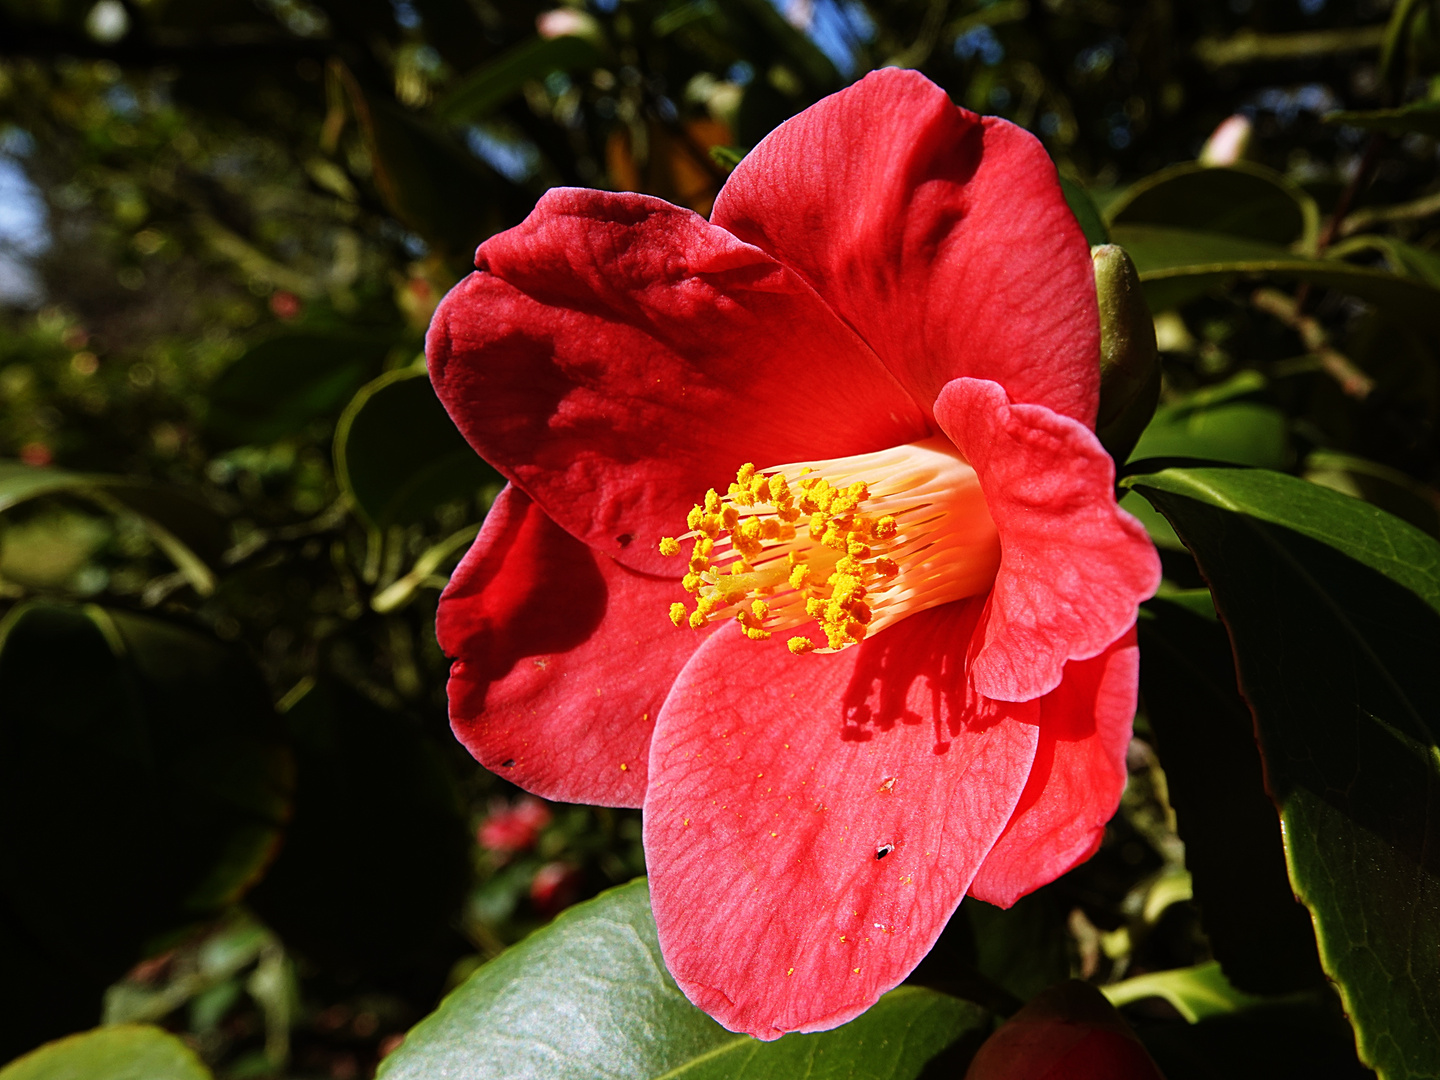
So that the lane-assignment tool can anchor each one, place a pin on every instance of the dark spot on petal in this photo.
(624, 539)
(507, 764)
(883, 850)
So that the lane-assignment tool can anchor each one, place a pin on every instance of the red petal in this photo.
(563, 658)
(943, 238)
(1076, 781)
(776, 782)
(1073, 565)
(616, 355)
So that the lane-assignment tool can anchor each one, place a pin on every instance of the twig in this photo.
(1354, 382)
(1248, 47)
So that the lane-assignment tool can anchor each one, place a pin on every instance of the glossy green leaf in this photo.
(1242, 200)
(1177, 265)
(124, 1052)
(1230, 422)
(367, 780)
(1333, 609)
(143, 785)
(1205, 738)
(284, 384)
(1196, 992)
(590, 995)
(1085, 211)
(1390, 489)
(398, 455)
(495, 82)
(1422, 117)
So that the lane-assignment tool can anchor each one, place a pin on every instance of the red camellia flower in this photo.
(809, 547)
(509, 829)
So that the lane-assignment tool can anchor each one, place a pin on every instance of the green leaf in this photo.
(1390, 489)
(282, 385)
(1196, 992)
(1177, 265)
(1092, 224)
(1243, 200)
(366, 780)
(1418, 116)
(428, 181)
(125, 1052)
(1221, 423)
(1291, 1039)
(1404, 258)
(590, 994)
(143, 784)
(1333, 609)
(1205, 738)
(398, 455)
(495, 82)
(188, 532)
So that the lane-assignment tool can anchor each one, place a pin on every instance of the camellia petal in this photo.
(813, 821)
(615, 356)
(1073, 565)
(942, 237)
(1076, 781)
(563, 658)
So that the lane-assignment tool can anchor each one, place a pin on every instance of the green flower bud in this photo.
(1129, 363)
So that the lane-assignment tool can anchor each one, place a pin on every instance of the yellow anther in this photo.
(678, 613)
(709, 602)
(754, 633)
(770, 529)
(698, 620)
(759, 609)
(730, 517)
(695, 517)
(885, 528)
(798, 576)
(858, 548)
(698, 563)
(669, 546)
(779, 489)
(806, 471)
(788, 513)
(746, 473)
(691, 582)
(800, 645)
(886, 567)
(712, 501)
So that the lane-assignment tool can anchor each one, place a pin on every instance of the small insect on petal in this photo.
(883, 850)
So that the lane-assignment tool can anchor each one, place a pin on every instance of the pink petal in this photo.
(776, 782)
(942, 237)
(1073, 565)
(616, 355)
(563, 658)
(1076, 781)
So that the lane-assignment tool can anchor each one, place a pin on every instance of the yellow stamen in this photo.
(887, 534)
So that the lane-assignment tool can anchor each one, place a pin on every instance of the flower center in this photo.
(852, 544)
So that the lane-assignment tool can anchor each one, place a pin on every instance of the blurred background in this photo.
(229, 799)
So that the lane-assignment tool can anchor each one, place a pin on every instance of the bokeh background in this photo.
(229, 800)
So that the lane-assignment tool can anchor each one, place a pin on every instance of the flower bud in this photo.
(1129, 363)
(1069, 1032)
(1229, 142)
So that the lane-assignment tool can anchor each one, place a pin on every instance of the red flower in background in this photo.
(884, 275)
(509, 829)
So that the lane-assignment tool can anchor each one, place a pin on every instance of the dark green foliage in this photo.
(228, 487)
